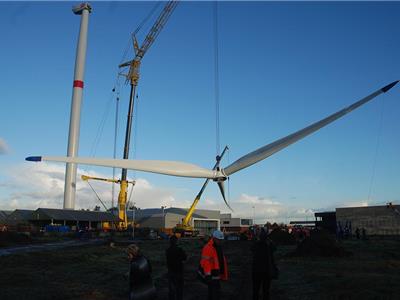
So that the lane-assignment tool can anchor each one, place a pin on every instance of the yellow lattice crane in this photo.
(87, 178)
(133, 77)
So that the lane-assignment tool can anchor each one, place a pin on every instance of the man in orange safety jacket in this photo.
(213, 265)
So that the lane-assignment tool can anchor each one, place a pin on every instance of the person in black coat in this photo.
(263, 265)
(175, 258)
(141, 285)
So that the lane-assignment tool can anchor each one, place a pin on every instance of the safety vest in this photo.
(209, 263)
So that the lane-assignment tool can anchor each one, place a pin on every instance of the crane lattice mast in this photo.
(133, 76)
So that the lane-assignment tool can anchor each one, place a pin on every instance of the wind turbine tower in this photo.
(83, 10)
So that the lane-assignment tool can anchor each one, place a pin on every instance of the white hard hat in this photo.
(218, 234)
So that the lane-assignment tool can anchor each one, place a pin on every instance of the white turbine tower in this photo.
(73, 139)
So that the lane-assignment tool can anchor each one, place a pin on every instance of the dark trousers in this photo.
(175, 285)
(214, 290)
(261, 280)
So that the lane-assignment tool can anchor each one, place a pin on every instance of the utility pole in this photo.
(133, 207)
(163, 214)
(83, 10)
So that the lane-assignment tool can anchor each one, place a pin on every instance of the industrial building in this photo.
(234, 225)
(326, 220)
(3, 218)
(376, 220)
(383, 220)
(32, 220)
(19, 217)
(204, 221)
(72, 218)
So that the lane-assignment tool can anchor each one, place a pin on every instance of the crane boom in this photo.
(134, 64)
(156, 29)
(133, 76)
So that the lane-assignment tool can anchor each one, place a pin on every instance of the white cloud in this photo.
(354, 204)
(4, 148)
(31, 186)
(244, 198)
(263, 208)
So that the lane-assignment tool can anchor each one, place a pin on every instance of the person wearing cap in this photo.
(175, 257)
(213, 265)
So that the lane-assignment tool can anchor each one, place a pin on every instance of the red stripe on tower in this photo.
(78, 83)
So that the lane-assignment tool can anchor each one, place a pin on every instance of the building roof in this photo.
(158, 212)
(20, 216)
(392, 206)
(325, 214)
(302, 222)
(73, 215)
(4, 215)
(182, 211)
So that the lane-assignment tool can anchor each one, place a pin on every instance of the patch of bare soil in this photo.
(8, 238)
(320, 243)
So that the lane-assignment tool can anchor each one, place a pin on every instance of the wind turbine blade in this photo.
(266, 151)
(222, 190)
(173, 168)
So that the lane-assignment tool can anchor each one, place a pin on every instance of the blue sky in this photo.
(283, 65)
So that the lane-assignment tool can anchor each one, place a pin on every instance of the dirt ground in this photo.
(98, 272)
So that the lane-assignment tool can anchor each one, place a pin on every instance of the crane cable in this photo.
(157, 5)
(217, 91)
(130, 196)
(115, 143)
(104, 119)
(216, 79)
(117, 88)
(135, 130)
(97, 195)
(229, 182)
(138, 28)
(100, 130)
(377, 146)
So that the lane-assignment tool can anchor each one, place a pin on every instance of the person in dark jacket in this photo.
(175, 258)
(263, 263)
(141, 285)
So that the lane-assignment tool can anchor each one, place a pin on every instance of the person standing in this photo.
(141, 285)
(364, 234)
(357, 233)
(175, 258)
(213, 265)
(263, 266)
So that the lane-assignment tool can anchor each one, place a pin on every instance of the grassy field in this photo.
(97, 272)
